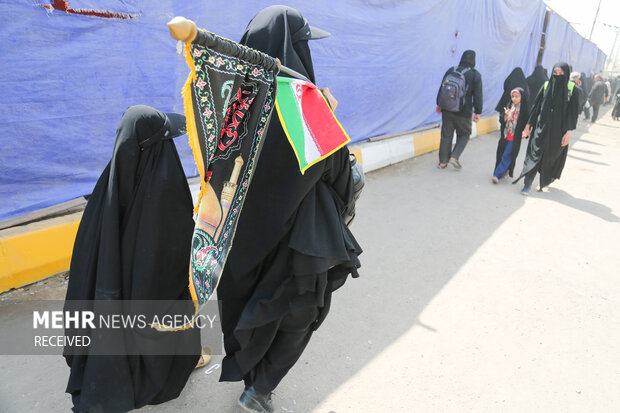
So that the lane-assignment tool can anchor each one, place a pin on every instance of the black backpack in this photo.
(452, 91)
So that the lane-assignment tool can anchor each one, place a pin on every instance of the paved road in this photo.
(472, 299)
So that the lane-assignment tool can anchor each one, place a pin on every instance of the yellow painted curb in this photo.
(426, 142)
(35, 251)
(487, 125)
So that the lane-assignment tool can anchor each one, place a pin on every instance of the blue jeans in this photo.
(504, 164)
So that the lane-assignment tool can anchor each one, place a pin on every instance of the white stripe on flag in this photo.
(310, 148)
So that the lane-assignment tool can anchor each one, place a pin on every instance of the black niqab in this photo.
(516, 79)
(274, 31)
(134, 243)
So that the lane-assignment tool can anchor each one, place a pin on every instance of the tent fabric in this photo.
(564, 44)
(66, 83)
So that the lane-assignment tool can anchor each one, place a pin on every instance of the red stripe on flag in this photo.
(325, 129)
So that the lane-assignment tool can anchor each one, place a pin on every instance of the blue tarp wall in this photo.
(564, 44)
(66, 79)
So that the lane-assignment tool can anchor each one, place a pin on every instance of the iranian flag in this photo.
(308, 121)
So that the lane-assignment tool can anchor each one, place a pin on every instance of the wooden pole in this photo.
(182, 29)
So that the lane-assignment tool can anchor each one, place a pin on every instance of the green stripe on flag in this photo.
(290, 118)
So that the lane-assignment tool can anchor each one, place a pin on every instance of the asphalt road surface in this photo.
(472, 298)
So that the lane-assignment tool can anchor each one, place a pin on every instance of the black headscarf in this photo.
(552, 115)
(516, 79)
(468, 59)
(134, 243)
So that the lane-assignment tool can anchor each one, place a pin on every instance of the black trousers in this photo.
(288, 344)
(595, 108)
(449, 123)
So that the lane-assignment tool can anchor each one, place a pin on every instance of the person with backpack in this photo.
(460, 93)
(552, 119)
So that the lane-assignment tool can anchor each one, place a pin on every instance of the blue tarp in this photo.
(66, 79)
(564, 44)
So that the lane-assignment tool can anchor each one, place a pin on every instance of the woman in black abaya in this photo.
(536, 81)
(552, 119)
(515, 79)
(292, 248)
(134, 243)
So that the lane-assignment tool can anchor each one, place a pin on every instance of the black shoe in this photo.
(254, 402)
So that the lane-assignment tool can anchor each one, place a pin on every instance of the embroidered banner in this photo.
(229, 97)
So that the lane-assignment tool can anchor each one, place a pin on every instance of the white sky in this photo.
(580, 14)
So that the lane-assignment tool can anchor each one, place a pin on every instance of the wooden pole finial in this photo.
(182, 29)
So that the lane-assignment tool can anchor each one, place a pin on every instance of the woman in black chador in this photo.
(535, 81)
(292, 248)
(134, 244)
(552, 119)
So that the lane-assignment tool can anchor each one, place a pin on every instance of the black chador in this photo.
(515, 79)
(134, 243)
(535, 82)
(292, 248)
(554, 112)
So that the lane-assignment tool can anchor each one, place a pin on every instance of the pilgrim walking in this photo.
(460, 93)
(513, 118)
(292, 248)
(552, 119)
(133, 244)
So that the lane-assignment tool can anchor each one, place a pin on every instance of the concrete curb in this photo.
(32, 252)
(377, 155)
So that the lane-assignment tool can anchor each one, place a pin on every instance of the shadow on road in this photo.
(418, 226)
(584, 205)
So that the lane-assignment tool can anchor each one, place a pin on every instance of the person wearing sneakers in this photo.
(551, 122)
(460, 93)
(512, 122)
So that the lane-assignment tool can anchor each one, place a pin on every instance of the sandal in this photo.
(205, 357)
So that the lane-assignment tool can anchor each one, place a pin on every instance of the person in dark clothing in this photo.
(597, 96)
(535, 81)
(552, 119)
(513, 121)
(292, 248)
(615, 114)
(134, 244)
(461, 120)
(515, 79)
(585, 87)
